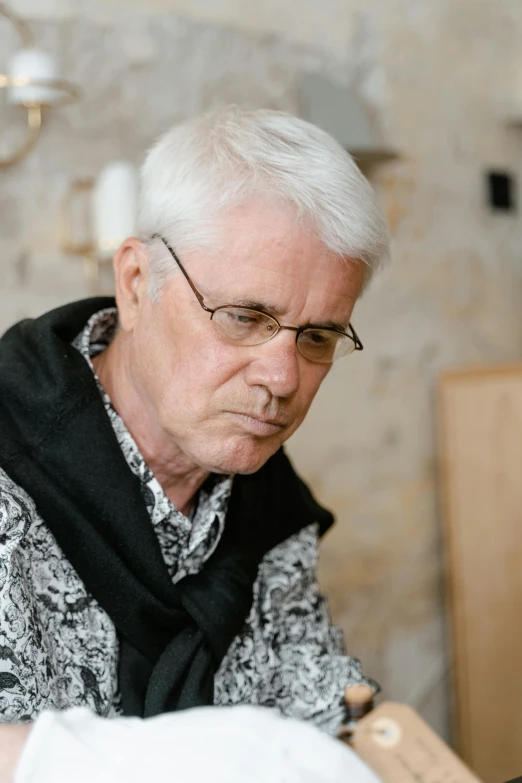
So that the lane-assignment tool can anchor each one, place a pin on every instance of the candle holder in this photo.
(32, 83)
(97, 215)
(85, 247)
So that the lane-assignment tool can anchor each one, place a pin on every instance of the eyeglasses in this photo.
(248, 326)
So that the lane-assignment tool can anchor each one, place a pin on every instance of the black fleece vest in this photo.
(57, 443)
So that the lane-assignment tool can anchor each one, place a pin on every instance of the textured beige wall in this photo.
(328, 23)
(439, 73)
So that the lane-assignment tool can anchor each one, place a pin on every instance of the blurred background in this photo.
(439, 84)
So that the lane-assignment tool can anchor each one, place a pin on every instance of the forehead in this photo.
(266, 258)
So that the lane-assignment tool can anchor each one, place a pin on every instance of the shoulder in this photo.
(290, 567)
(17, 509)
(298, 552)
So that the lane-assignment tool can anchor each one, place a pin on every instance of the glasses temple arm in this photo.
(198, 296)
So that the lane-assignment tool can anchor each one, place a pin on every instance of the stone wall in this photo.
(440, 74)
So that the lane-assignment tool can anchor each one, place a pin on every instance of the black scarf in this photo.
(57, 443)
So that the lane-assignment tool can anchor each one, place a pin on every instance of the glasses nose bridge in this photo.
(281, 327)
(295, 329)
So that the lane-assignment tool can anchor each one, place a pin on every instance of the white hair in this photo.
(226, 157)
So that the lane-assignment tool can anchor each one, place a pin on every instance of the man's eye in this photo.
(240, 317)
(318, 338)
(243, 319)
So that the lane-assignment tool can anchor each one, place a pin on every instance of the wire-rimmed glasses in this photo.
(247, 326)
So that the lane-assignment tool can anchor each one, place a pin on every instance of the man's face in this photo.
(229, 408)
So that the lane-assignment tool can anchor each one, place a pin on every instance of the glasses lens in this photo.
(241, 326)
(322, 345)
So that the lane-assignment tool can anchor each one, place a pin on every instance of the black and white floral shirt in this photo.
(59, 648)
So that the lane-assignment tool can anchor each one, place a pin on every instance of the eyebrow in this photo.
(271, 310)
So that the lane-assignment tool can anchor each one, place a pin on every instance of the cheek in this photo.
(196, 376)
(311, 380)
(310, 384)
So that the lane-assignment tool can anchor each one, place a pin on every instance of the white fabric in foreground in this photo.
(220, 744)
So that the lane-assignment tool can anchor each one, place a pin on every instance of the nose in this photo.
(275, 365)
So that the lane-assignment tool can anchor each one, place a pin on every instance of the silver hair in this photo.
(226, 157)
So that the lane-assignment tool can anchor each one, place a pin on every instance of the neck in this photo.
(179, 477)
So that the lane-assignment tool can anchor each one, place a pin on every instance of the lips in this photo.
(277, 422)
(256, 424)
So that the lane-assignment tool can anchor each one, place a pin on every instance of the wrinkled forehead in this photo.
(267, 259)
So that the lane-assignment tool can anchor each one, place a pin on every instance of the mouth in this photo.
(257, 425)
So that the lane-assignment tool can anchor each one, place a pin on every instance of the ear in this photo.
(131, 266)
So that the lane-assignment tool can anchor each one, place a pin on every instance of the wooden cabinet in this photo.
(481, 482)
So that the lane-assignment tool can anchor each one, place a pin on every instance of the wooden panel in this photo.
(481, 448)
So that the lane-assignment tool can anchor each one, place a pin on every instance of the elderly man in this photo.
(157, 550)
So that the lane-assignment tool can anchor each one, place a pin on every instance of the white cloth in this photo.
(218, 744)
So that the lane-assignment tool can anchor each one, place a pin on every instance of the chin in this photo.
(242, 455)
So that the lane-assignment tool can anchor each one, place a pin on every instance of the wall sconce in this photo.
(33, 83)
(343, 114)
(97, 216)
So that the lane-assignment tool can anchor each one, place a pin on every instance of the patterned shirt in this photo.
(59, 648)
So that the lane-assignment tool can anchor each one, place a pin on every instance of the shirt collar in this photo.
(213, 497)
